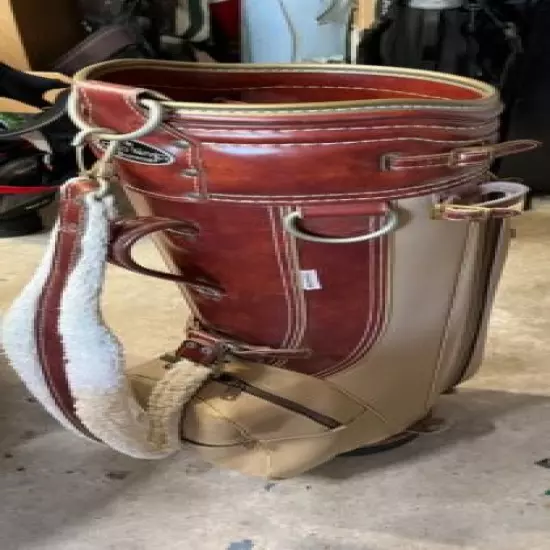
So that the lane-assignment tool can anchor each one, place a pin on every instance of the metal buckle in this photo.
(455, 154)
(101, 171)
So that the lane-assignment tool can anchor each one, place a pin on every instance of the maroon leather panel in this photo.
(346, 315)
(347, 151)
(47, 336)
(241, 173)
(259, 264)
(280, 86)
(239, 248)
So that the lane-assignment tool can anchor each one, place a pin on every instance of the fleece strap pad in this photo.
(57, 341)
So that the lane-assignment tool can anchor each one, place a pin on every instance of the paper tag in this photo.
(310, 279)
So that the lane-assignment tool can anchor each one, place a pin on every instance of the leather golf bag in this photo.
(334, 229)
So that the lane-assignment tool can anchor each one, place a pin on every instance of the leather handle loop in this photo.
(497, 200)
(292, 220)
(125, 233)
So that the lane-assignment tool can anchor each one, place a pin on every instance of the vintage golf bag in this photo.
(335, 230)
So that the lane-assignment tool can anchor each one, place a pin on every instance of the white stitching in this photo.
(277, 247)
(372, 331)
(366, 335)
(440, 184)
(301, 298)
(235, 131)
(355, 194)
(221, 89)
(298, 329)
(328, 143)
(327, 110)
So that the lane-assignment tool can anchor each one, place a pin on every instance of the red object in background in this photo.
(227, 17)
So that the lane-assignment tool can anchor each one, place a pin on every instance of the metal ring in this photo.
(291, 220)
(152, 122)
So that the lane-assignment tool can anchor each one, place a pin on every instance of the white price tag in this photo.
(310, 279)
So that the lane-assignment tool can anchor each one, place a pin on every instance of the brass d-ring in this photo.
(291, 221)
(154, 119)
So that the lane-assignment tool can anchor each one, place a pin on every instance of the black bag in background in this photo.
(501, 42)
(471, 38)
(36, 155)
(156, 29)
(529, 112)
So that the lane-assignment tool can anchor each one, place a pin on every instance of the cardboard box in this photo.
(365, 14)
(36, 32)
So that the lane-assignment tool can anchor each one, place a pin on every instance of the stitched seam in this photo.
(413, 166)
(327, 143)
(230, 420)
(351, 194)
(346, 128)
(371, 195)
(372, 332)
(293, 341)
(440, 184)
(221, 89)
(298, 281)
(276, 245)
(291, 259)
(371, 260)
(452, 305)
(364, 108)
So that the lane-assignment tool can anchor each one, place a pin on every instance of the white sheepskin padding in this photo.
(103, 397)
(19, 340)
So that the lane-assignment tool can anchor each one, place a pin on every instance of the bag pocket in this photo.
(267, 421)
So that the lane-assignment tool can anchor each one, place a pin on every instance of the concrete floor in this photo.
(475, 486)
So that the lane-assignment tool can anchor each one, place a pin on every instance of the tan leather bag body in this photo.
(335, 230)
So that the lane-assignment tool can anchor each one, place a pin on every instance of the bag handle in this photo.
(125, 233)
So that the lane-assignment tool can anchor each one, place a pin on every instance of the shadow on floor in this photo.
(470, 413)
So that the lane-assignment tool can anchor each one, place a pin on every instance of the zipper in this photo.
(233, 382)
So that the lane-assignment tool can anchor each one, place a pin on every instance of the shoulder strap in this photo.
(57, 341)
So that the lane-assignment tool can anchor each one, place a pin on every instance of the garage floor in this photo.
(475, 486)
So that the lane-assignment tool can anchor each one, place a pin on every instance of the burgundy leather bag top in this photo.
(334, 229)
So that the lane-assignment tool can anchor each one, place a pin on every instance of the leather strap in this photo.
(206, 347)
(57, 110)
(496, 200)
(459, 158)
(101, 45)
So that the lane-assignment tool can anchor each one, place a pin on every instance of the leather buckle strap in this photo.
(208, 348)
(462, 157)
(509, 201)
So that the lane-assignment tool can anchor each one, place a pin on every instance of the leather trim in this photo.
(461, 157)
(487, 95)
(99, 46)
(50, 348)
(57, 110)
